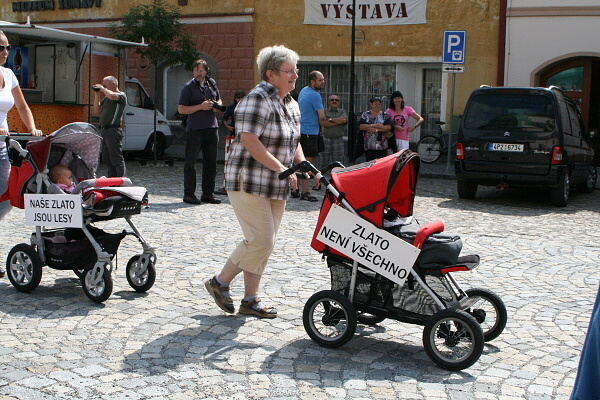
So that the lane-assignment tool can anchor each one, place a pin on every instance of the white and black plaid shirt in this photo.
(277, 125)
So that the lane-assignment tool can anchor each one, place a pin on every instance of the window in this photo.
(570, 79)
(134, 95)
(432, 87)
(513, 112)
(371, 79)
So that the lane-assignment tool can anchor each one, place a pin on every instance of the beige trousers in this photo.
(259, 218)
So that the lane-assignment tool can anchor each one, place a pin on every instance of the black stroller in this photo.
(381, 194)
(79, 246)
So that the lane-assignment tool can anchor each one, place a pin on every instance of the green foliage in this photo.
(158, 24)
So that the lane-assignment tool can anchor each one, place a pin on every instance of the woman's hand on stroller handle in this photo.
(304, 166)
(307, 167)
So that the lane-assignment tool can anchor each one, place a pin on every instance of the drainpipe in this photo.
(501, 44)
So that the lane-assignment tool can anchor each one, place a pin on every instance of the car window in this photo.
(574, 116)
(134, 95)
(512, 111)
(565, 118)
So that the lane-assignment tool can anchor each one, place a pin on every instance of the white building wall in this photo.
(540, 33)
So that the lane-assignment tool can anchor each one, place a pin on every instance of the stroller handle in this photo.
(13, 144)
(306, 166)
(303, 166)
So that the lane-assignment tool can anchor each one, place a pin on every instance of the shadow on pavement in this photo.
(214, 344)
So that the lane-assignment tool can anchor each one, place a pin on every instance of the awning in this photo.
(43, 34)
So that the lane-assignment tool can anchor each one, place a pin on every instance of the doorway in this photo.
(579, 78)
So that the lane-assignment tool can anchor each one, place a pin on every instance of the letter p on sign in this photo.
(453, 50)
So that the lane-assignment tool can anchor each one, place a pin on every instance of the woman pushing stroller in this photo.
(268, 123)
(10, 95)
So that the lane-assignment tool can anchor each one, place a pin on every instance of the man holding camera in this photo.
(110, 110)
(199, 100)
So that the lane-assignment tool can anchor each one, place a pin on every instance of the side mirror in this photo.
(148, 103)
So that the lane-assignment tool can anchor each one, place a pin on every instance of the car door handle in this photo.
(129, 113)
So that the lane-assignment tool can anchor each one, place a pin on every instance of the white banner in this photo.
(57, 210)
(375, 248)
(368, 12)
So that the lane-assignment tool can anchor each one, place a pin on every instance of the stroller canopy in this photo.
(385, 183)
(79, 138)
(374, 188)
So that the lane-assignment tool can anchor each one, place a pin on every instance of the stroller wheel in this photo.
(141, 279)
(453, 339)
(489, 310)
(97, 283)
(329, 318)
(24, 267)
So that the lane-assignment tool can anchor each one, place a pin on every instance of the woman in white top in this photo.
(10, 95)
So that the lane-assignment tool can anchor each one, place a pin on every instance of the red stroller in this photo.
(456, 322)
(80, 247)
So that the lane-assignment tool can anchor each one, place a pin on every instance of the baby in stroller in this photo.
(62, 177)
(64, 164)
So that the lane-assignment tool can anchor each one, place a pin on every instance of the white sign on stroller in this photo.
(360, 240)
(56, 210)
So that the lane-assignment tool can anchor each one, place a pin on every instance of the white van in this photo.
(138, 122)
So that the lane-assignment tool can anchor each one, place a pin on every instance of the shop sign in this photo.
(368, 12)
(45, 5)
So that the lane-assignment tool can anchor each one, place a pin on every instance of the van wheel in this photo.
(160, 146)
(560, 195)
(466, 190)
(590, 181)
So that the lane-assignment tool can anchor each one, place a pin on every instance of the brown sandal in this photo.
(216, 291)
(307, 196)
(246, 308)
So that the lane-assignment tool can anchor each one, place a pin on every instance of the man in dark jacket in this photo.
(197, 101)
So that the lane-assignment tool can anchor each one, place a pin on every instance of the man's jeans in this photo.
(206, 140)
(112, 151)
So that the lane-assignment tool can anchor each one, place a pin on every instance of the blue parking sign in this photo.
(453, 51)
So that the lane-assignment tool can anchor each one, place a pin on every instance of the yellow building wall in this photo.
(110, 9)
(281, 22)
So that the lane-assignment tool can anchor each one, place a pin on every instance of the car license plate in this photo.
(517, 148)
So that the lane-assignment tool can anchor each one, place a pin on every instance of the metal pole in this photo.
(449, 142)
(351, 122)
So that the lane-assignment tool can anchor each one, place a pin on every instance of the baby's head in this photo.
(61, 174)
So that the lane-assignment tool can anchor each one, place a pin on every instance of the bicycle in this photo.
(430, 147)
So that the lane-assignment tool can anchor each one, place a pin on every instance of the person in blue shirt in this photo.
(311, 125)
(586, 385)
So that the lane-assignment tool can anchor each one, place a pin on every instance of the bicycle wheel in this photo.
(429, 149)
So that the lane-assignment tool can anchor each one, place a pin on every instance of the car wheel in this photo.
(560, 195)
(466, 190)
(590, 181)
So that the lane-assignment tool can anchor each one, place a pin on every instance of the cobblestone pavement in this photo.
(174, 343)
